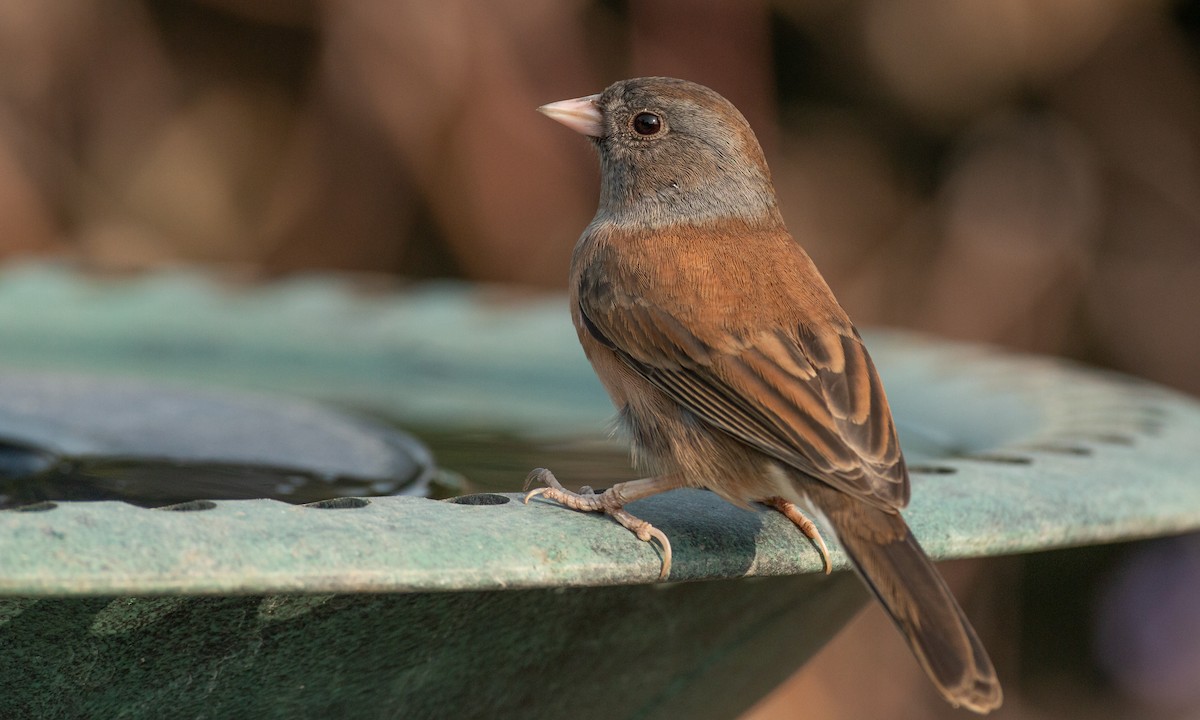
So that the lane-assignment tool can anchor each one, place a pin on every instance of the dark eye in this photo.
(647, 123)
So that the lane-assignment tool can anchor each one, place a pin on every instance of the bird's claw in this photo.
(608, 502)
(808, 527)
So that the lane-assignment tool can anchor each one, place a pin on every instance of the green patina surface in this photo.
(688, 650)
(403, 606)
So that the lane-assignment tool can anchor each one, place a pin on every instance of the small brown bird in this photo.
(731, 364)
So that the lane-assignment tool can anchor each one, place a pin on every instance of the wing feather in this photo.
(811, 399)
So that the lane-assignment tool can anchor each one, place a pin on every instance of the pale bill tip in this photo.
(580, 114)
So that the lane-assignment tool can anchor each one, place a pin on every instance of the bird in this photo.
(732, 366)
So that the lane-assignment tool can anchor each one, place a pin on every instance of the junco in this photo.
(731, 364)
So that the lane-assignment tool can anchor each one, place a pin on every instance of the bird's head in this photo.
(671, 150)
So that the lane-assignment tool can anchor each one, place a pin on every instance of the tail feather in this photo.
(914, 594)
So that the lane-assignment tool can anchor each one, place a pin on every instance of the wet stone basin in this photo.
(69, 436)
(367, 604)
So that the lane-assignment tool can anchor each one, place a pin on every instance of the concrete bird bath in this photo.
(480, 606)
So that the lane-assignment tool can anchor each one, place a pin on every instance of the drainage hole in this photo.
(479, 499)
(1063, 449)
(190, 506)
(1152, 427)
(1113, 439)
(339, 503)
(999, 459)
(931, 470)
(35, 507)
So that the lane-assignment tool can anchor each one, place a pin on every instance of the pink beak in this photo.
(581, 114)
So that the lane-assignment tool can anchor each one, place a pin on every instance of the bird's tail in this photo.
(913, 592)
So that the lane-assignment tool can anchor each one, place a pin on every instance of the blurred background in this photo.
(1020, 172)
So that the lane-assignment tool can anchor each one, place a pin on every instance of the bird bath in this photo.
(480, 606)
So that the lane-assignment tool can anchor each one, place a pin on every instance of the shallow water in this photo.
(466, 462)
(496, 462)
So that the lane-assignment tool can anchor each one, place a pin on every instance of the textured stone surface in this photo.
(405, 607)
(76, 414)
(598, 653)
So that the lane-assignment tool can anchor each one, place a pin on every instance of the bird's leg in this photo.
(808, 527)
(612, 502)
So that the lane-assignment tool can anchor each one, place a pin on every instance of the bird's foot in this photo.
(611, 502)
(808, 527)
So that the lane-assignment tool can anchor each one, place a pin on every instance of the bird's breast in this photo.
(720, 280)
